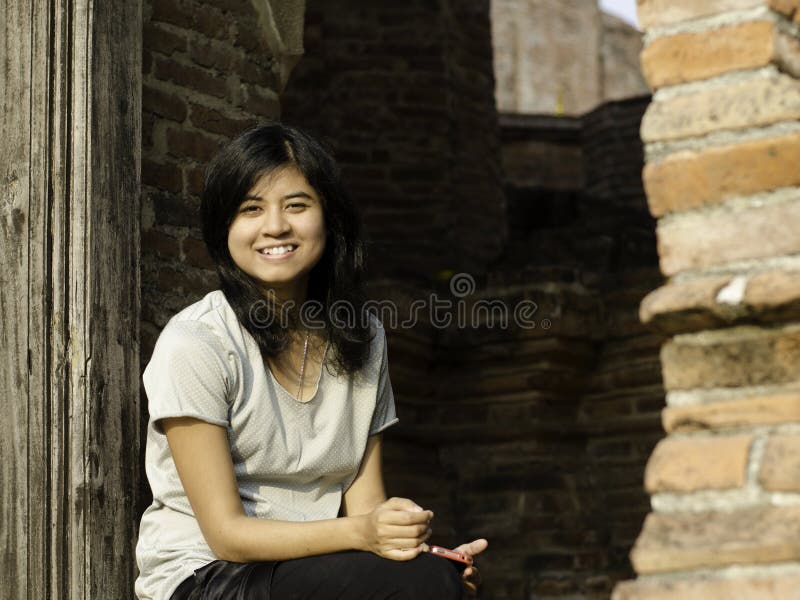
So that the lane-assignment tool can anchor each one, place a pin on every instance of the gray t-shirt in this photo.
(293, 460)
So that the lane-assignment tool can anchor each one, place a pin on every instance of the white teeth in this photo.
(278, 250)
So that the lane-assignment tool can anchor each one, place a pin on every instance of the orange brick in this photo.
(780, 467)
(763, 410)
(656, 13)
(756, 356)
(688, 179)
(678, 541)
(777, 587)
(684, 306)
(754, 102)
(690, 464)
(702, 240)
(700, 55)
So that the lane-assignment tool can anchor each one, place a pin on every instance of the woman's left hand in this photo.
(470, 575)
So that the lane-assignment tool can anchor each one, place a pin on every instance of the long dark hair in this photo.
(338, 277)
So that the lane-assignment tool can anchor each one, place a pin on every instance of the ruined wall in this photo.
(211, 68)
(209, 73)
(722, 179)
(404, 94)
(562, 57)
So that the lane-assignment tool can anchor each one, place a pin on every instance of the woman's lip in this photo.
(275, 257)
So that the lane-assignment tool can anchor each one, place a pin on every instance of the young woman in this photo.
(267, 400)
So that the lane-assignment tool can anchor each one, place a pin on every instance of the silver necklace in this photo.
(302, 369)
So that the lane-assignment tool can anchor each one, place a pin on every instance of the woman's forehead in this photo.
(283, 180)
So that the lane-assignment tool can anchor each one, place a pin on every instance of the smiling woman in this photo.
(278, 234)
(259, 490)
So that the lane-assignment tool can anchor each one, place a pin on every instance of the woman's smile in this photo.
(278, 234)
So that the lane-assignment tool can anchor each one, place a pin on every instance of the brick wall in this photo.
(209, 73)
(404, 94)
(722, 179)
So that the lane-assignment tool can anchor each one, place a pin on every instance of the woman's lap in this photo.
(343, 575)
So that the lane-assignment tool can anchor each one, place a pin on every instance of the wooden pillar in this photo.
(69, 298)
(722, 139)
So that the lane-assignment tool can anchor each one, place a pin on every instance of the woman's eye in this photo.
(250, 208)
(297, 205)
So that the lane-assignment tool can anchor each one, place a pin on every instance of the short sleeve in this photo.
(385, 414)
(188, 374)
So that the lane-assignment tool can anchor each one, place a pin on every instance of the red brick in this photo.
(757, 101)
(211, 22)
(250, 37)
(774, 294)
(701, 240)
(691, 464)
(776, 586)
(681, 541)
(195, 180)
(173, 12)
(191, 144)
(160, 40)
(754, 410)
(190, 77)
(700, 55)
(215, 122)
(687, 179)
(684, 306)
(164, 176)
(160, 244)
(163, 104)
(691, 305)
(656, 13)
(195, 254)
(262, 103)
(780, 465)
(213, 55)
(753, 356)
(175, 210)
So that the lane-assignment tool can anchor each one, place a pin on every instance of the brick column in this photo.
(723, 178)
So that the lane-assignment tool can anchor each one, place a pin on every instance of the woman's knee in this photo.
(435, 578)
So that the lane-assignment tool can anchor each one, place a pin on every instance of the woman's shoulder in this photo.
(206, 321)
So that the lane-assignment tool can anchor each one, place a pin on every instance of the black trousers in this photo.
(341, 576)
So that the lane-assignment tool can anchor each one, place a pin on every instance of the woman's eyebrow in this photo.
(298, 195)
(286, 197)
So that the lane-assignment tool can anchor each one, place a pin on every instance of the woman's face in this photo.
(282, 213)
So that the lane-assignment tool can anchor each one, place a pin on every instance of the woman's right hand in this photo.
(396, 529)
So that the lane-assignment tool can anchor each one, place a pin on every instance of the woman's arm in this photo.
(394, 529)
(366, 492)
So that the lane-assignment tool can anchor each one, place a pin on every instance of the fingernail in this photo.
(417, 508)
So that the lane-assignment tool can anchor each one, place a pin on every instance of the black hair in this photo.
(338, 277)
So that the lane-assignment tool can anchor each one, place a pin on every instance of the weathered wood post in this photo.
(69, 297)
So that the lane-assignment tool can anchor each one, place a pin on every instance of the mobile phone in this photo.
(464, 560)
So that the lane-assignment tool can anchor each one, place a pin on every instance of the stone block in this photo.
(701, 240)
(731, 358)
(680, 541)
(690, 179)
(780, 466)
(691, 464)
(692, 305)
(657, 13)
(774, 293)
(783, 587)
(184, 144)
(756, 410)
(696, 55)
(755, 102)
(684, 306)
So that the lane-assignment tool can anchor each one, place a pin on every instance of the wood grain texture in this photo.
(15, 21)
(69, 244)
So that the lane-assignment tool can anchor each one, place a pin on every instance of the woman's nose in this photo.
(274, 222)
